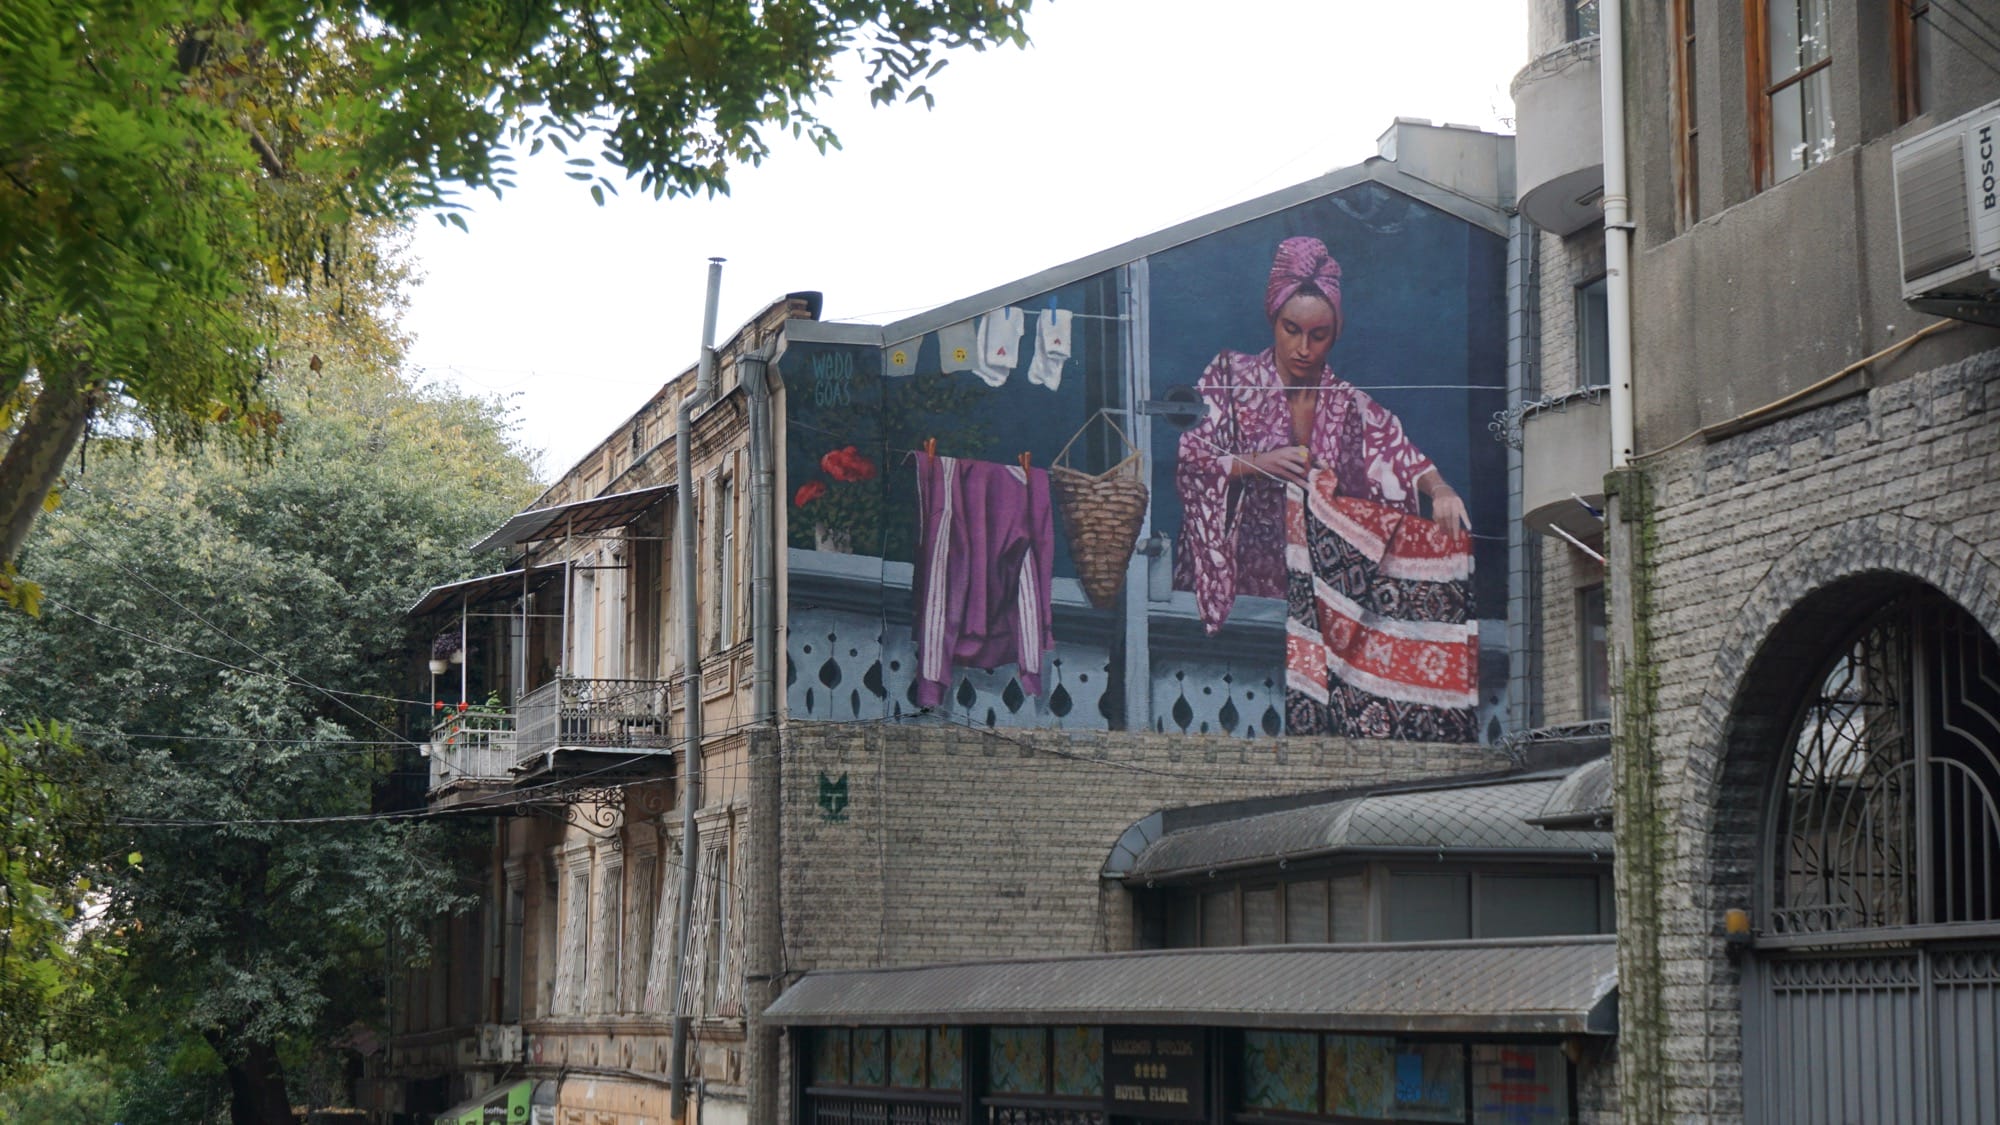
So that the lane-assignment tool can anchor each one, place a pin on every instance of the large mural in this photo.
(1243, 485)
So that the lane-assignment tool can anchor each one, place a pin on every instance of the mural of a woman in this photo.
(1299, 485)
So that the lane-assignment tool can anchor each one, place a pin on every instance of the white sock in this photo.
(1052, 346)
(999, 341)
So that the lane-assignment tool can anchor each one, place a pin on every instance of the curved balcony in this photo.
(1559, 138)
(1565, 452)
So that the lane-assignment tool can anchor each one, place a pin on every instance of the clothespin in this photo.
(1025, 458)
(930, 447)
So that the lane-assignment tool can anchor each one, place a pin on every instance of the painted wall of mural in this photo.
(1243, 485)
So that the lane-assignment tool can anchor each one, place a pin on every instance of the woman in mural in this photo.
(1299, 485)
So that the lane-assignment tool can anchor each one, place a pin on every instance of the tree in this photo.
(168, 167)
(226, 636)
(50, 819)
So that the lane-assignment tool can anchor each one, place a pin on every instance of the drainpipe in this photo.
(704, 393)
(1617, 228)
(754, 376)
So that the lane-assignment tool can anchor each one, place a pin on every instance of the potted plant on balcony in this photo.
(445, 651)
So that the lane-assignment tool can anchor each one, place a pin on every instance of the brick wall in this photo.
(960, 844)
(1901, 481)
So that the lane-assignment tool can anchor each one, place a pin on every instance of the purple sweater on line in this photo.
(984, 568)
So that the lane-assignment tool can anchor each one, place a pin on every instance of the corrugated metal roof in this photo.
(1562, 986)
(1488, 817)
(485, 588)
(580, 517)
(1582, 801)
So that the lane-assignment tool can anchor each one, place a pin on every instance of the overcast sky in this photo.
(1124, 116)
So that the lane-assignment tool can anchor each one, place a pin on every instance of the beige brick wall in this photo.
(960, 844)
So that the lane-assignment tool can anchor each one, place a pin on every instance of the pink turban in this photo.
(1300, 262)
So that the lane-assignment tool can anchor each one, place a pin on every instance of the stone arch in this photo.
(1824, 584)
(1811, 596)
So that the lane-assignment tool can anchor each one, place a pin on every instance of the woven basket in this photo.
(1101, 514)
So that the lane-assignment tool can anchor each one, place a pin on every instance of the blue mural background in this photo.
(1424, 308)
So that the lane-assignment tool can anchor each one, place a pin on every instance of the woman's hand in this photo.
(1289, 464)
(1448, 511)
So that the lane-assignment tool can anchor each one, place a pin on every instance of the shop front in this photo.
(503, 1105)
(1473, 1033)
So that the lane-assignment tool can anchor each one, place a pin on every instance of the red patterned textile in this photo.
(1380, 637)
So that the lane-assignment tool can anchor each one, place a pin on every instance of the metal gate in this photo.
(1873, 992)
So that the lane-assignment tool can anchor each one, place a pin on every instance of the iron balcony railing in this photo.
(573, 713)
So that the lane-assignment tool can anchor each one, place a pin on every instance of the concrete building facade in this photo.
(1802, 564)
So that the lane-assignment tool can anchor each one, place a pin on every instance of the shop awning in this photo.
(1540, 986)
(502, 1105)
(479, 591)
(581, 517)
(1486, 818)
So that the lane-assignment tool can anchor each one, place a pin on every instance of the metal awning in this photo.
(479, 591)
(501, 1104)
(581, 517)
(1583, 800)
(1541, 986)
(1487, 818)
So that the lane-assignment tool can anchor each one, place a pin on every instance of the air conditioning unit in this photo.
(1948, 217)
(499, 1043)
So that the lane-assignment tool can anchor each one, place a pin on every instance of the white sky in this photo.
(1125, 116)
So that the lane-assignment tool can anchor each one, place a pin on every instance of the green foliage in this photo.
(227, 637)
(170, 170)
(50, 816)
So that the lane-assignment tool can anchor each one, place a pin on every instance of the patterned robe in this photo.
(1233, 532)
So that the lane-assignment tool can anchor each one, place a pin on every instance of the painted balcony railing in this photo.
(472, 747)
(573, 713)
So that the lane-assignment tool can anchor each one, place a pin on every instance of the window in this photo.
(1426, 907)
(1792, 64)
(639, 933)
(1884, 816)
(1593, 653)
(512, 925)
(1580, 19)
(572, 968)
(725, 566)
(1913, 56)
(1593, 335)
(1538, 905)
(548, 936)
(607, 931)
(1687, 150)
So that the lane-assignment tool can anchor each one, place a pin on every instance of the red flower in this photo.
(437, 704)
(808, 492)
(463, 705)
(847, 465)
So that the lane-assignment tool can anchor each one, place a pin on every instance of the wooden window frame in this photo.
(1757, 45)
(1687, 150)
(1909, 43)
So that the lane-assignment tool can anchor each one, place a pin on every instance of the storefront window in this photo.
(1519, 1085)
(1017, 1060)
(1360, 1076)
(1382, 1078)
(830, 1049)
(906, 1057)
(1430, 1082)
(871, 1057)
(1079, 1061)
(947, 1059)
